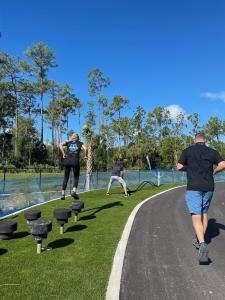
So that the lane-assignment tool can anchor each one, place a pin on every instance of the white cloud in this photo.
(214, 96)
(175, 110)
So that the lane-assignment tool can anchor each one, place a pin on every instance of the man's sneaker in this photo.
(195, 243)
(107, 194)
(74, 195)
(62, 197)
(127, 195)
(203, 254)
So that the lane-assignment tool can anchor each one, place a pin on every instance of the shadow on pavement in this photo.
(213, 230)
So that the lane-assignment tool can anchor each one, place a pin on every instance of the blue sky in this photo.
(155, 52)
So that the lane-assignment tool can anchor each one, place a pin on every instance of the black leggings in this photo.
(68, 165)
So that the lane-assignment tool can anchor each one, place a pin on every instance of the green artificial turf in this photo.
(79, 264)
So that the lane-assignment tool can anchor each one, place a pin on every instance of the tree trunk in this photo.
(29, 157)
(175, 152)
(42, 118)
(16, 153)
(53, 144)
(103, 119)
(67, 127)
(99, 116)
(59, 134)
(16, 134)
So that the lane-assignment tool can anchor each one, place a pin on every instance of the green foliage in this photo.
(214, 129)
(26, 92)
(42, 58)
(97, 81)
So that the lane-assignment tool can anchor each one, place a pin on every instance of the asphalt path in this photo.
(160, 261)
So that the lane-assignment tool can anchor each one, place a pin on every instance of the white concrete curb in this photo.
(113, 289)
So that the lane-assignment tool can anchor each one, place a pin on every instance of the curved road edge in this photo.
(113, 288)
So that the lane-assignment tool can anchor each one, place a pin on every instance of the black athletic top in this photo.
(73, 149)
(199, 160)
(117, 168)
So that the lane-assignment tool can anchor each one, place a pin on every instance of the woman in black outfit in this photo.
(71, 161)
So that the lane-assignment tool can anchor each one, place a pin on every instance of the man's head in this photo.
(75, 137)
(200, 137)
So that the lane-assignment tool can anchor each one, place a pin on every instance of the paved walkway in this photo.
(160, 261)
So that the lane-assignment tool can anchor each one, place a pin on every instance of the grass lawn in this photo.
(79, 265)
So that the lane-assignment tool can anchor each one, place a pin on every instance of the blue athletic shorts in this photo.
(198, 202)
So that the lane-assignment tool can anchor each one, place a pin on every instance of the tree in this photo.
(195, 120)
(157, 123)
(28, 138)
(69, 103)
(11, 73)
(28, 101)
(177, 127)
(103, 101)
(139, 137)
(115, 108)
(88, 133)
(214, 129)
(8, 106)
(97, 81)
(53, 113)
(42, 59)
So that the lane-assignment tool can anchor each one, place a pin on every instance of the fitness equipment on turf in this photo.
(39, 230)
(62, 215)
(76, 207)
(6, 229)
(32, 215)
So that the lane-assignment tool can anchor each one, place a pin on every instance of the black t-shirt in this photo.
(199, 160)
(117, 168)
(73, 149)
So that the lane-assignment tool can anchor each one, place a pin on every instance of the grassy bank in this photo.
(79, 265)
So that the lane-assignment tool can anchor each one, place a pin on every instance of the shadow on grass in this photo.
(100, 208)
(88, 217)
(76, 228)
(3, 251)
(60, 243)
(19, 235)
(213, 230)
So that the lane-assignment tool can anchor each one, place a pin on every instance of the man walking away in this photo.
(198, 160)
(117, 174)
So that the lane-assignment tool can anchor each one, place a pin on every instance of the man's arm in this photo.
(220, 167)
(179, 166)
(182, 162)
